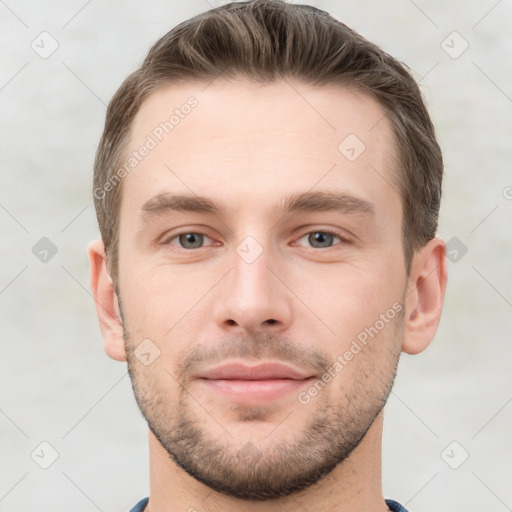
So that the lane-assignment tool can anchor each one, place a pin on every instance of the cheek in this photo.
(347, 298)
(162, 299)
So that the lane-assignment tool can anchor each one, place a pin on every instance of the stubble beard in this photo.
(246, 469)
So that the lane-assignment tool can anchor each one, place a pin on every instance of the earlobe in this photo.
(425, 296)
(106, 302)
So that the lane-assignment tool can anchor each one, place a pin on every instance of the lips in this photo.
(262, 371)
(253, 384)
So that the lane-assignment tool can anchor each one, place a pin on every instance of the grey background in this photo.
(58, 385)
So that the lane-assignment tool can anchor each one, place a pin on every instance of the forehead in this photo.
(240, 140)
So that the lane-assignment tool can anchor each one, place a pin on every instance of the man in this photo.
(267, 188)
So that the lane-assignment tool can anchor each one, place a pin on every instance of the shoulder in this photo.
(394, 506)
(140, 506)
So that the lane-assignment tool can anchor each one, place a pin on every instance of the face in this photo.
(261, 278)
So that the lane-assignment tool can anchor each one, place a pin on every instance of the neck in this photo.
(354, 485)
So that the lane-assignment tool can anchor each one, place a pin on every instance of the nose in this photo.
(251, 297)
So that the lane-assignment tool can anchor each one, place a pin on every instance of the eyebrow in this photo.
(321, 201)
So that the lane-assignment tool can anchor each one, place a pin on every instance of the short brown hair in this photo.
(264, 41)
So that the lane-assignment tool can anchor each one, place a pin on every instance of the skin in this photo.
(247, 146)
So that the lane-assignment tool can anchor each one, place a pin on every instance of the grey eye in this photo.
(191, 240)
(321, 239)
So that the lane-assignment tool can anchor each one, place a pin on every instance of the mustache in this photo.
(261, 346)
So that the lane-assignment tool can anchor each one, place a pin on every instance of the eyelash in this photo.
(343, 240)
(337, 234)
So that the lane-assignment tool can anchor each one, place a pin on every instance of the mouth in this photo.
(260, 383)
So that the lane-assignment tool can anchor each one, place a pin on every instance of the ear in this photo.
(106, 302)
(425, 296)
